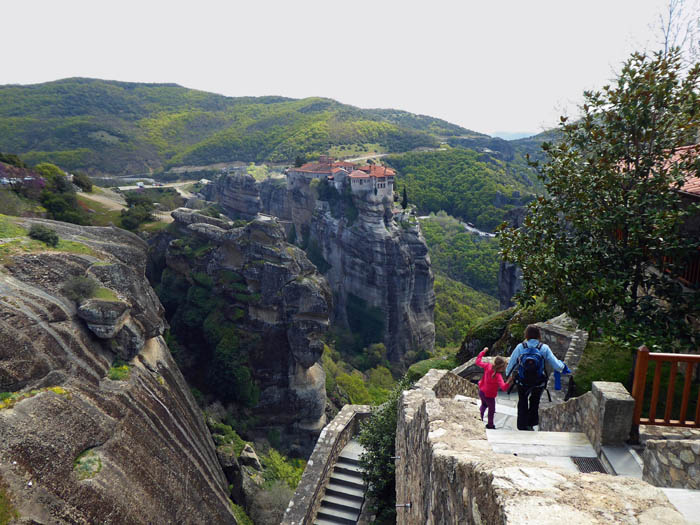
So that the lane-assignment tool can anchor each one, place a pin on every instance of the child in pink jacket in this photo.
(489, 385)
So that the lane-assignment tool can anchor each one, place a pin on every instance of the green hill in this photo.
(477, 185)
(114, 127)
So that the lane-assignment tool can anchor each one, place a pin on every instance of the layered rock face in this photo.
(375, 257)
(75, 445)
(279, 305)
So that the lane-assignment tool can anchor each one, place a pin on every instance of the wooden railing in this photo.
(639, 386)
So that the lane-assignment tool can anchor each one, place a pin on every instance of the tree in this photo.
(404, 201)
(607, 242)
(378, 436)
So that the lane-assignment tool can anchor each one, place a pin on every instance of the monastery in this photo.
(376, 182)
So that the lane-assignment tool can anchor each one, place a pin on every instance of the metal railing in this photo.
(644, 356)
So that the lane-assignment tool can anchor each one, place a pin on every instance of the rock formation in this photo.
(97, 424)
(375, 257)
(274, 302)
(510, 276)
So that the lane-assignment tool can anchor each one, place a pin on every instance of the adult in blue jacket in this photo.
(529, 395)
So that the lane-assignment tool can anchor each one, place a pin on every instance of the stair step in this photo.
(348, 479)
(346, 502)
(349, 469)
(325, 521)
(341, 516)
(345, 490)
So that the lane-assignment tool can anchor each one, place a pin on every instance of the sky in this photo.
(490, 66)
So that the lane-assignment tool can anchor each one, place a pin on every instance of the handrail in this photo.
(644, 356)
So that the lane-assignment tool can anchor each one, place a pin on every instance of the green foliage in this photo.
(9, 229)
(461, 255)
(167, 198)
(240, 515)
(225, 435)
(378, 436)
(613, 211)
(313, 251)
(280, 468)
(354, 386)
(457, 307)
(486, 332)
(474, 187)
(63, 206)
(82, 181)
(116, 127)
(44, 234)
(119, 371)
(79, 287)
(604, 360)
(419, 369)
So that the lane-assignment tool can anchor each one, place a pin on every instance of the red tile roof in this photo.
(358, 174)
(692, 181)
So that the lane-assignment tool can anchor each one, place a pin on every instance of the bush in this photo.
(79, 287)
(44, 234)
(378, 436)
(7, 509)
(83, 182)
(268, 505)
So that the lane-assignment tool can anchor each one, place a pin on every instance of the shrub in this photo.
(44, 234)
(119, 371)
(83, 182)
(79, 287)
(378, 436)
(268, 505)
(7, 509)
(281, 468)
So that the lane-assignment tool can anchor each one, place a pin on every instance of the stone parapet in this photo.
(304, 505)
(448, 473)
(447, 384)
(672, 463)
(604, 414)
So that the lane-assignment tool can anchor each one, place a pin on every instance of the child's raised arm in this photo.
(479, 362)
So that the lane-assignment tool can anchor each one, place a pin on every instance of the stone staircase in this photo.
(345, 493)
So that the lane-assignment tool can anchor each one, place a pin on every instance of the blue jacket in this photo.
(549, 357)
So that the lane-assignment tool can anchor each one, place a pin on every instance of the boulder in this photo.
(249, 458)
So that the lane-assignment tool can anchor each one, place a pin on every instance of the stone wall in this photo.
(307, 498)
(672, 463)
(448, 473)
(604, 414)
(447, 384)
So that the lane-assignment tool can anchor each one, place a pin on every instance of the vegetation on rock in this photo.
(44, 234)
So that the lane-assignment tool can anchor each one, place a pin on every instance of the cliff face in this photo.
(75, 445)
(267, 296)
(381, 260)
(510, 276)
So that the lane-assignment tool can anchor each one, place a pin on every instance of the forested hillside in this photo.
(117, 127)
(476, 186)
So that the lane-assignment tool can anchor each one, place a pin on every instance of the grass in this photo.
(103, 216)
(105, 294)
(9, 229)
(87, 464)
(154, 227)
(24, 245)
(119, 371)
(9, 399)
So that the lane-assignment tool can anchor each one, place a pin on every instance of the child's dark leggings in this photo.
(487, 402)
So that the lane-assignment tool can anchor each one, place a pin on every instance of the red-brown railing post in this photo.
(640, 377)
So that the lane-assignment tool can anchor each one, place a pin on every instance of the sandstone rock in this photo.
(104, 318)
(151, 458)
(249, 458)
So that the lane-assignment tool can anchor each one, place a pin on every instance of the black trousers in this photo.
(528, 406)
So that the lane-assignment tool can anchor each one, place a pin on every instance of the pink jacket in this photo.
(489, 384)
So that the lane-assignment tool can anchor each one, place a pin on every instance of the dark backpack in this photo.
(531, 371)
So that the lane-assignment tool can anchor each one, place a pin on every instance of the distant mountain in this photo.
(512, 135)
(118, 127)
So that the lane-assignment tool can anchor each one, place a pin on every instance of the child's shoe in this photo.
(491, 427)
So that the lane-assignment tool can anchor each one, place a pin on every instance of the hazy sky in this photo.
(490, 66)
